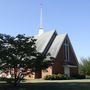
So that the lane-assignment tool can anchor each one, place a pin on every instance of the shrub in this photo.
(3, 79)
(64, 77)
(79, 76)
(8, 80)
(47, 77)
(56, 77)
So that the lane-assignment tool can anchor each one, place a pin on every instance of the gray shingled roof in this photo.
(43, 40)
(56, 45)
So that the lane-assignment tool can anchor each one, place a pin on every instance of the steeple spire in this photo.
(41, 29)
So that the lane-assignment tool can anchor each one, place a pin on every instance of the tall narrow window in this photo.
(66, 50)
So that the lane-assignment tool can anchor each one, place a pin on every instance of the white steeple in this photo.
(41, 29)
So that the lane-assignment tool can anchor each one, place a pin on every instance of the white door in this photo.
(67, 70)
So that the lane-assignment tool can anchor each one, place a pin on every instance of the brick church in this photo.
(59, 47)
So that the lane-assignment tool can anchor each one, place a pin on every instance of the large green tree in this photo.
(84, 66)
(19, 53)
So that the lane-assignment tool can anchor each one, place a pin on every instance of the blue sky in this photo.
(64, 16)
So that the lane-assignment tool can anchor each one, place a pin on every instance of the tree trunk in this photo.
(15, 76)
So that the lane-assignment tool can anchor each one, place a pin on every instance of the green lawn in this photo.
(48, 86)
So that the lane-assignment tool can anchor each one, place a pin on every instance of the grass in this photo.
(47, 86)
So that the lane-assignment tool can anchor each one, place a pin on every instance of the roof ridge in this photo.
(43, 40)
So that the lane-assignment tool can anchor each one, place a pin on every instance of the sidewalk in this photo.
(57, 81)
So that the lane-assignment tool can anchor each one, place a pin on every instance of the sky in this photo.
(64, 16)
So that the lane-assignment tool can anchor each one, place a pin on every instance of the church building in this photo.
(59, 47)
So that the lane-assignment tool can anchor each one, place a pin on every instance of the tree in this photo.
(84, 66)
(19, 53)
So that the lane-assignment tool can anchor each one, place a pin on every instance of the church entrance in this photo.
(67, 70)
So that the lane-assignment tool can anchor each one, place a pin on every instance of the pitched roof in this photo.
(56, 45)
(43, 40)
(50, 42)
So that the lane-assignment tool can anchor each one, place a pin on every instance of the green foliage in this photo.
(8, 80)
(16, 50)
(78, 76)
(84, 66)
(19, 53)
(56, 77)
(41, 62)
(81, 76)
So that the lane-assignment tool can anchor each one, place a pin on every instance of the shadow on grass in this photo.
(46, 86)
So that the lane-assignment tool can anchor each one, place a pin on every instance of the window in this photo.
(66, 50)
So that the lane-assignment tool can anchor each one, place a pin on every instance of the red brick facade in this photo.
(62, 65)
(58, 67)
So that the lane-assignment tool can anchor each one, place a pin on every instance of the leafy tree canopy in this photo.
(19, 53)
(84, 66)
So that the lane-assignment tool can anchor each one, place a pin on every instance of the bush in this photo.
(79, 76)
(47, 77)
(64, 77)
(3, 79)
(56, 77)
(8, 80)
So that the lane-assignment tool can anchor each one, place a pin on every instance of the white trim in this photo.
(71, 66)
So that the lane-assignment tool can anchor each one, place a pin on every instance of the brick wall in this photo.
(47, 72)
(58, 65)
